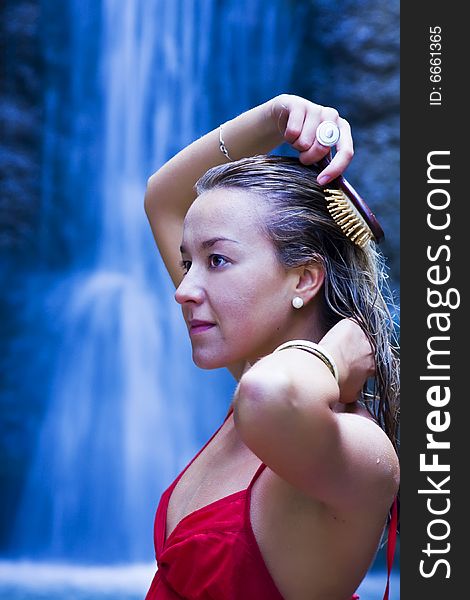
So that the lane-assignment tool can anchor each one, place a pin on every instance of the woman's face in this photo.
(233, 281)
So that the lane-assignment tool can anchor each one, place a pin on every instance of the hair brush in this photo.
(350, 212)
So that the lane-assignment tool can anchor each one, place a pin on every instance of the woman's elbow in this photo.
(258, 388)
(150, 194)
(263, 403)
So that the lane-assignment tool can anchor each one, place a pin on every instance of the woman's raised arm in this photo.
(170, 191)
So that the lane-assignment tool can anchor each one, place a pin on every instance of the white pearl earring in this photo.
(297, 302)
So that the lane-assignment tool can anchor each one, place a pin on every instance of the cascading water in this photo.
(121, 416)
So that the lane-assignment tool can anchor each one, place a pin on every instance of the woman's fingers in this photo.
(293, 116)
(288, 113)
(316, 151)
(306, 138)
(298, 119)
(295, 125)
(343, 156)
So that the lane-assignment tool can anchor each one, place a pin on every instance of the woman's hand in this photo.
(297, 120)
(353, 355)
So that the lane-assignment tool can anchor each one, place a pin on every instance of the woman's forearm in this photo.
(353, 355)
(171, 189)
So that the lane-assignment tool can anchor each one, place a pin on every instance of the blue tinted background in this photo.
(101, 405)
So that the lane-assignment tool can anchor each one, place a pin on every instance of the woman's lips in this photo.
(199, 327)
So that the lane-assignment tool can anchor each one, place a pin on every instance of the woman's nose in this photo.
(189, 290)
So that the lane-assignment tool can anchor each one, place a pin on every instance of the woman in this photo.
(290, 496)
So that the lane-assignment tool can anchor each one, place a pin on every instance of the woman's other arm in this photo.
(286, 412)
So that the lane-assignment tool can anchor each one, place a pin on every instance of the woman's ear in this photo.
(309, 280)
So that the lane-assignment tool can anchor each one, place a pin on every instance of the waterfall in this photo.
(125, 407)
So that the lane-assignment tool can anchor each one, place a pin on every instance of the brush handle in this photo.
(357, 200)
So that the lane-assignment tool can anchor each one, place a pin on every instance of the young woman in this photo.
(290, 496)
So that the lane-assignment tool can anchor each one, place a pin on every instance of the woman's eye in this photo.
(215, 260)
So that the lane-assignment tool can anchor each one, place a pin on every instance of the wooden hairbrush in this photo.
(350, 211)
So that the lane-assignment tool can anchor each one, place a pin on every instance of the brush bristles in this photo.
(348, 217)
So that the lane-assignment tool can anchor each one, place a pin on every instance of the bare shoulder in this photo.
(365, 482)
(334, 453)
(373, 470)
(340, 522)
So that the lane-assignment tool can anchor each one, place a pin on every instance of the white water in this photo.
(125, 406)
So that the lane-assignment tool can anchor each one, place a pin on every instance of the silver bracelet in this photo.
(222, 146)
(314, 349)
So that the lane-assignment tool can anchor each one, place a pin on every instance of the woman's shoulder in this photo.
(371, 458)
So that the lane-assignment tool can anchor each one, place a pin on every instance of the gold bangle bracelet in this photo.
(314, 349)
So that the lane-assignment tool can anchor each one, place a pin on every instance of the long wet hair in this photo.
(301, 229)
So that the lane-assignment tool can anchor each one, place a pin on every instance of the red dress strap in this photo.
(159, 527)
(391, 544)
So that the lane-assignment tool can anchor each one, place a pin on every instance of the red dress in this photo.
(212, 554)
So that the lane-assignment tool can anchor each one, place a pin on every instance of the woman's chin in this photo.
(207, 362)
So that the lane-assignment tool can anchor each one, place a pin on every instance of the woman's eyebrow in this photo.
(211, 242)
